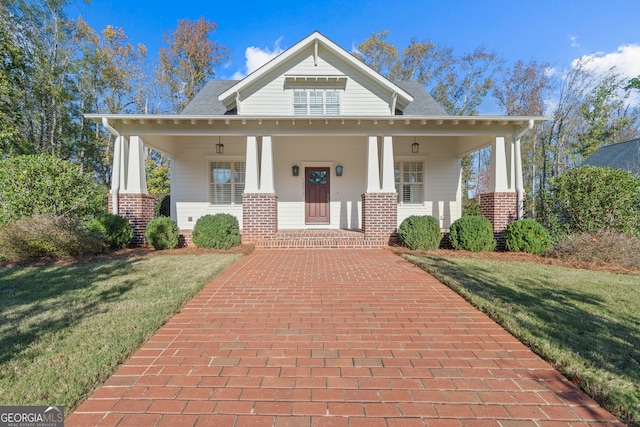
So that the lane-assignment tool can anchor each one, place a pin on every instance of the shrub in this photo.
(603, 246)
(473, 233)
(220, 231)
(527, 235)
(116, 231)
(38, 184)
(420, 232)
(162, 233)
(590, 198)
(47, 235)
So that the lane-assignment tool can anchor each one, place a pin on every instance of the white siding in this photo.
(190, 178)
(361, 96)
(442, 194)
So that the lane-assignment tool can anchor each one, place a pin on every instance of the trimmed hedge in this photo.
(219, 231)
(116, 231)
(473, 233)
(162, 233)
(420, 233)
(527, 235)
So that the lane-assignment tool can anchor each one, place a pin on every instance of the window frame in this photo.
(311, 108)
(234, 172)
(400, 184)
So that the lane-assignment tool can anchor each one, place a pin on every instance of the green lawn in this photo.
(586, 323)
(64, 329)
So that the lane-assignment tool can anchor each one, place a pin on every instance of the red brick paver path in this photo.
(300, 338)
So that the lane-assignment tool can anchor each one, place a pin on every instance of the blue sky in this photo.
(555, 32)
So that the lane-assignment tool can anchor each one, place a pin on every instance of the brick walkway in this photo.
(334, 338)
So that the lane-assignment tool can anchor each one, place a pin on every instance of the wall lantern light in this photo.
(295, 169)
(219, 147)
(339, 170)
(415, 146)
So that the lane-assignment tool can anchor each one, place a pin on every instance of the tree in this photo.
(189, 60)
(420, 61)
(603, 114)
(12, 75)
(467, 82)
(379, 54)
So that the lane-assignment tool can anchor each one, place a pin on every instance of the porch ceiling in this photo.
(472, 132)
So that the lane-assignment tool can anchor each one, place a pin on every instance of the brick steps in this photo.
(319, 239)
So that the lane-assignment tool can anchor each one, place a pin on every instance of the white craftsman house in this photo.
(315, 139)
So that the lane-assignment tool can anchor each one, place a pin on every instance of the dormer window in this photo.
(316, 102)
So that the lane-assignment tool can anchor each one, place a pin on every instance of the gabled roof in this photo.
(228, 96)
(623, 155)
(206, 102)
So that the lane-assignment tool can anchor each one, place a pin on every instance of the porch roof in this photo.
(160, 131)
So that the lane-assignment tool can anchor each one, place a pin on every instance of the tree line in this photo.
(54, 68)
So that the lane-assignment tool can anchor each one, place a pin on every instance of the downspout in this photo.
(115, 182)
(518, 158)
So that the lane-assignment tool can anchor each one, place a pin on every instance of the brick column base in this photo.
(380, 216)
(500, 209)
(139, 209)
(259, 216)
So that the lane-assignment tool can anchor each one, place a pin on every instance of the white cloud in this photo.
(256, 57)
(574, 41)
(626, 61)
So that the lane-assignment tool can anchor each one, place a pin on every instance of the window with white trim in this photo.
(316, 102)
(409, 182)
(227, 182)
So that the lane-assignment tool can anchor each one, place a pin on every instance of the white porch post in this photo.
(498, 182)
(510, 151)
(388, 176)
(266, 166)
(373, 170)
(251, 174)
(115, 173)
(519, 182)
(136, 179)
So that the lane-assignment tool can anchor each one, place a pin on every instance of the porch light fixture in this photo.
(219, 147)
(339, 170)
(295, 170)
(415, 146)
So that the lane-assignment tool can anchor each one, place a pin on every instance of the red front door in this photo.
(317, 193)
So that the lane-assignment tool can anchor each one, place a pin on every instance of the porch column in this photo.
(498, 169)
(519, 181)
(499, 205)
(388, 175)
(259, 200)
(266, 166)
(129, 196)
(251, 172)
(373, 168)
(380, 202)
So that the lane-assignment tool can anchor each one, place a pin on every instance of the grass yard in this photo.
(586, 323)
(64, 329)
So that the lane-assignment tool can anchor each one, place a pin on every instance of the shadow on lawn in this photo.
(44, 301)
(581, 322)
